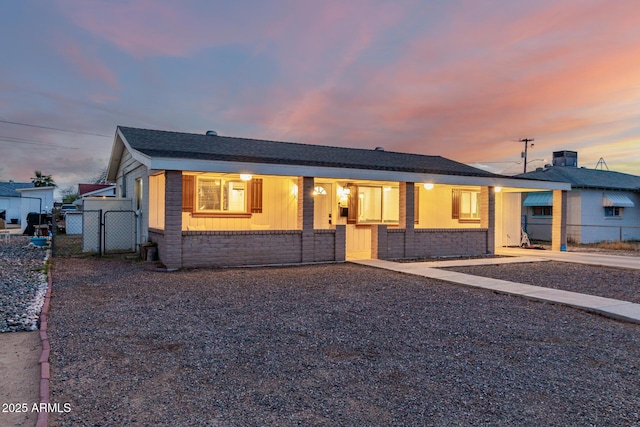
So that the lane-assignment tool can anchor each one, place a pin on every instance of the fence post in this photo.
(100, 231)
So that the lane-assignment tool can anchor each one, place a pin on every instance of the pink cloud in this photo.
(90, 66)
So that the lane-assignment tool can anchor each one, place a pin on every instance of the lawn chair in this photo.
(524, 239)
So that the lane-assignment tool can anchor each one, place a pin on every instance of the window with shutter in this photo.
(416, 204)
(455, 203)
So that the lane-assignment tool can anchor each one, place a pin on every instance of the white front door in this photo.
(322, 217)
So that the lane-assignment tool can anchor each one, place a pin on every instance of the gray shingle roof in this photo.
(8, 189)
(586, 178)
(165, 144)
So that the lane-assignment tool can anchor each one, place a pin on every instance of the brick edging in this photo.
(43, 416)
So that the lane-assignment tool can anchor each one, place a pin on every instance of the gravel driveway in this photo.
(606, 282)
(326, 345)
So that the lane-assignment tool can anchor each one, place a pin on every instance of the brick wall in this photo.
(238, 248)
(428, 242)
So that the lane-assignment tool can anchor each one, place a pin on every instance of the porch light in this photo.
(497, 189)
(245, 176)
(294, 191)
(428, 186)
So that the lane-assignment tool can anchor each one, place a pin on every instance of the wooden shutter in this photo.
(352, 215)
(256, 195)
(455, 203)
(416, 204)
(188, 193)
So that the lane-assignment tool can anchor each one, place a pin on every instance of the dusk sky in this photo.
(461, 79)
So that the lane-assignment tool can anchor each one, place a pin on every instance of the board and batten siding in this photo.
(279, 211)
(128, 172)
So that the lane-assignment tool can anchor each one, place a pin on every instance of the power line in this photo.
(52, 128)
(27, 141)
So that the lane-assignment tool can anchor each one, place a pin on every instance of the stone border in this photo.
(45, 372)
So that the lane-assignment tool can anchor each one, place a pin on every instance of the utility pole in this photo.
(524, 153)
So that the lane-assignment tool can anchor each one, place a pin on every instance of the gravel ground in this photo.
(326, 345)
(23, 285)
(606, 282)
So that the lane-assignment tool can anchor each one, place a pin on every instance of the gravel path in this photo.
(326, 345)
(601, 281)
(22, 285)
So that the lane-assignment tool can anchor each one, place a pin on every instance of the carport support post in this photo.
(559, 221)
(488, 216)
(171, 250)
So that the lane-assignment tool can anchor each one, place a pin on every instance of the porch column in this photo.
(171, 252)
(488, 216)
(305, 216)
(559, 221)
(407, 217)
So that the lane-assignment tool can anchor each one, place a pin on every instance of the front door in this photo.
(322, 196)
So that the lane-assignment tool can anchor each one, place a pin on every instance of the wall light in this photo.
(428, 186)
(245, 176)
(497, 189)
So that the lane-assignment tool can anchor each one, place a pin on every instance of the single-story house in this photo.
(602, 205)
(10, 202)
(210, 200)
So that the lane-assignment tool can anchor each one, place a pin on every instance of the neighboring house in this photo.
(96, 190)
(210, 200)
(35, 199)
(10, 201)
(86, 191)
(602, 204)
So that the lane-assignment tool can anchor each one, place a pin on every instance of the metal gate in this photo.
(97, 232)
(120, 232)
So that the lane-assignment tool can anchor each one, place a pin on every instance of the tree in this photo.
(69, 194)
(100, 177)
(41, 180)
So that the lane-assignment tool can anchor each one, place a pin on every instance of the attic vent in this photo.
(379, 148)
(212, 133)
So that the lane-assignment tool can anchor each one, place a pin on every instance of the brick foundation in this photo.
(398, 243)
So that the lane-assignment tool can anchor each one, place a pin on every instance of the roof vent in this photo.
(539, 169)
(547, 166)
(212, 133)
(379, 148)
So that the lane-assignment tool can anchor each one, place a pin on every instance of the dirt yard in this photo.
(326, 345)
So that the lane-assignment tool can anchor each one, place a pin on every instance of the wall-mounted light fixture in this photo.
(245, 176)
(497, 189)
(428, 186)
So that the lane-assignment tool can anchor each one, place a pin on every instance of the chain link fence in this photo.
(94, 233)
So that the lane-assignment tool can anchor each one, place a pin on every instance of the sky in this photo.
(463, 79)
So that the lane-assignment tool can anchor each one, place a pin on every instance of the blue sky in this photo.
(461, 79)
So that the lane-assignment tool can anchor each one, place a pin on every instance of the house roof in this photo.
(164, 144)
(586, 178)
(8, 189)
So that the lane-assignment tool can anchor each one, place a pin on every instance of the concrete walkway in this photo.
(616, 309)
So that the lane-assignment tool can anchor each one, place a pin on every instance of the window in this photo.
(138, 193)
(613, 212)
(214, 196)
(377, 205)
(465, 205)
(542, 210)
(220, 195)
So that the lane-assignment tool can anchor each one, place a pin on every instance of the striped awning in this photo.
(616, 200)
(544, 198)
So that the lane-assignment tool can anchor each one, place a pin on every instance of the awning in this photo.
(616, 200)
(544, 198)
